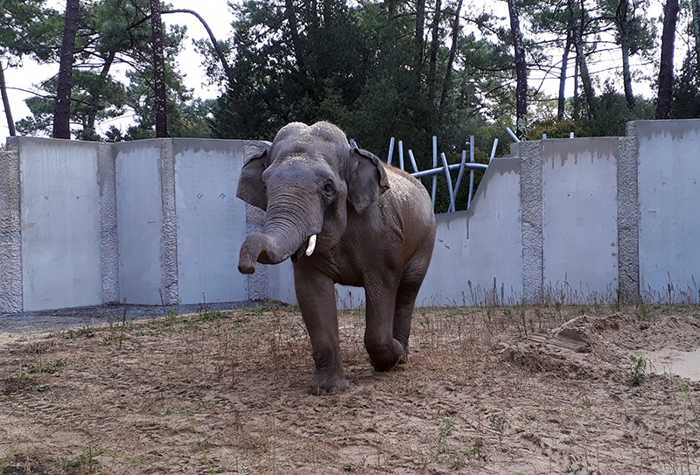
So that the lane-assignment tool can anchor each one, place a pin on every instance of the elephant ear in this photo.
(367, 179)
(251, 187)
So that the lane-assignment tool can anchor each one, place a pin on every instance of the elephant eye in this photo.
(329, 189)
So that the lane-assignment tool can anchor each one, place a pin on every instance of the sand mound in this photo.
(601, 346)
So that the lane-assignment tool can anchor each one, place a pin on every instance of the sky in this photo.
(219, 17)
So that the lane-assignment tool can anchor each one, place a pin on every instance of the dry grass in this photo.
(227, 393)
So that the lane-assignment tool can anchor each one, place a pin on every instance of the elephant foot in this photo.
(329, 383)
(403, 359)
(386, 357)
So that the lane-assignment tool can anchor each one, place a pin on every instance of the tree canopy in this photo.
(410, 69)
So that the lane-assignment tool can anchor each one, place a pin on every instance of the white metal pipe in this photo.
(471, 172)
(401, 154)
(448, 177)
(454, 166)
(512, 135)
(413, 161)
(391, 151)
(460, 175)
(493, 149)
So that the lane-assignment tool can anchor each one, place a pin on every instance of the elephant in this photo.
(344, 217)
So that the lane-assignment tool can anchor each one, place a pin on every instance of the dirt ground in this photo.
(519, 390)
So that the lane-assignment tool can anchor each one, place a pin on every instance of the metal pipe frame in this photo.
(448, 177)
(413, 161)
(512, 135)
(391, 151)
(462, 163)
(454, 166)
(471, 172)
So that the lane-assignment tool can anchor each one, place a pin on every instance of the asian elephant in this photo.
(343, 217)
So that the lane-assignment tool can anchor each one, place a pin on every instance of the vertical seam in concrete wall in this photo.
(532, 210)
(168, 238)
(628, 216)
(109, 241)
(11, 289)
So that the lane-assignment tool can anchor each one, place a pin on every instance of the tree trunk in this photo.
(298, 47)
(450, 61)
(695, 6)
(561, 103)
(576, 113)
(418, 43)
(627, 74)
(583, 65)
(160, 97)
(621, 21)
(61, 115)
(6, 104)
(435, 44)
(668, 37)
(520, 68)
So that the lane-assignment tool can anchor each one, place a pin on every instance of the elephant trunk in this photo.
(289, 225)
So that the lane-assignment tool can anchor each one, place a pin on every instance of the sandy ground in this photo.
(497, 391)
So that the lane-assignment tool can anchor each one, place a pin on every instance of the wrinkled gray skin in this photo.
(376, 230)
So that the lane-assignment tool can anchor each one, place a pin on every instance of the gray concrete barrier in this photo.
(668, 216)
(157, 221)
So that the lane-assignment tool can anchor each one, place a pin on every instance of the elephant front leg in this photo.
(316, 296)
(384, 350)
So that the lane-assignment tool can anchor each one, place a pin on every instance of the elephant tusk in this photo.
(312, 245)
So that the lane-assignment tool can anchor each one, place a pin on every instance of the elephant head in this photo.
(307, 181)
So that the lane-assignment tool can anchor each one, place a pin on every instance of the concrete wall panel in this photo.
(210, 230)
(139, 218)
(477, 258)
(669, 184)
(579, 187)
(61, 227)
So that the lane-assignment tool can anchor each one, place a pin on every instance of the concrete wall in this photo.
(147, 222)
(669, 225)
(180, 223)
(157, 221)
(210, 228)
(579, 234)
(63, 201)
(140, 218)
(478, 256)
(60, 225)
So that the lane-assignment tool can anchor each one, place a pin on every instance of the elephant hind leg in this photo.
(384, 351)
(408, 291)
